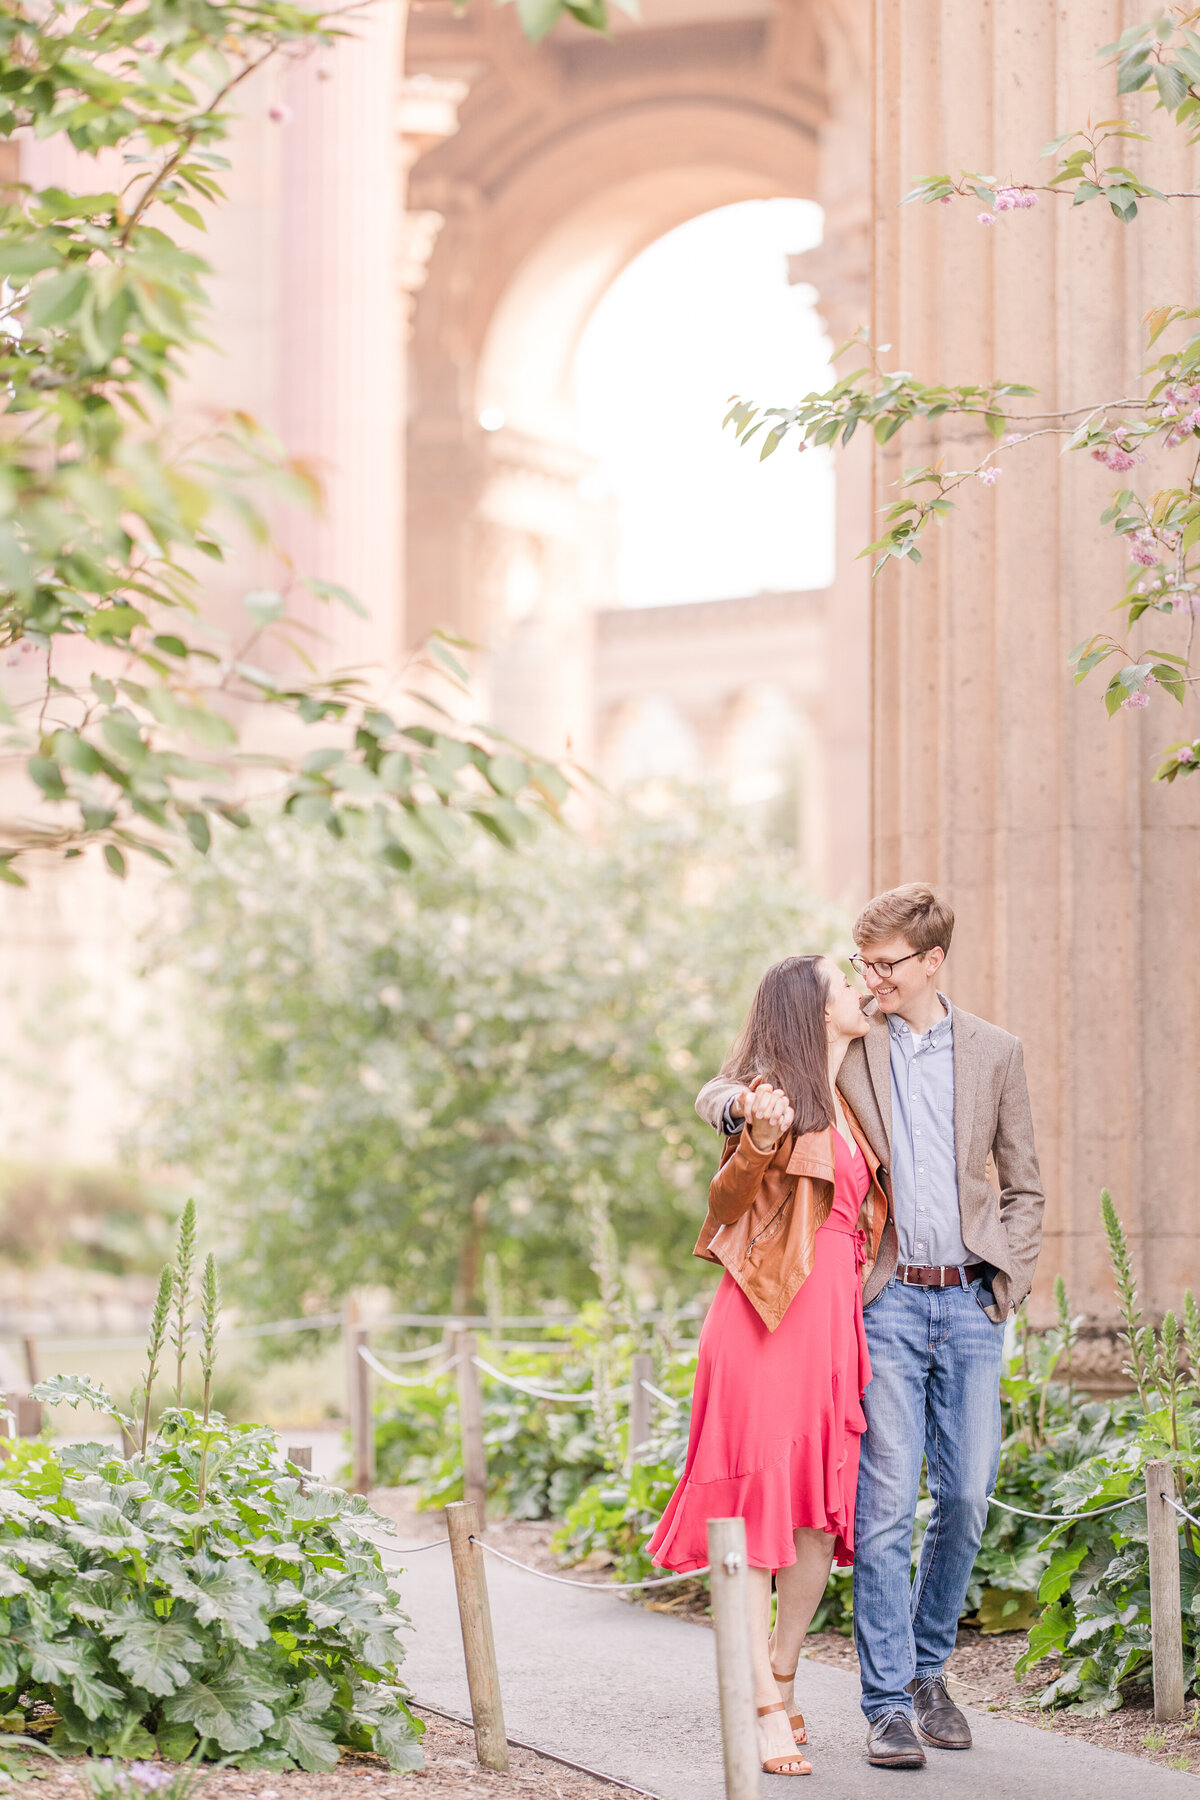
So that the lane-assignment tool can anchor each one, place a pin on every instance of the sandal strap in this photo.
(778, 1707)
(781, 1765)
(779, 1677)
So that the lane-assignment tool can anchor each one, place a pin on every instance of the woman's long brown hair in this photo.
(784, 1041)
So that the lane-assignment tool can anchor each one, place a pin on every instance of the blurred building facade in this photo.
(416, 254)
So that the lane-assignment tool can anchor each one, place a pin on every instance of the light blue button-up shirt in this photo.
(924, 1172)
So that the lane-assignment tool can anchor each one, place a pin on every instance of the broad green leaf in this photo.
(73, 1391)
(220, 1709)
(395, 1739)
(156, 1654)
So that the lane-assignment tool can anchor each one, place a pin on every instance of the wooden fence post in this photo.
(30, 1417)
(358, 1397)
(641, 1405)
(470, 1423)
(730, 1590)
(479, 1648)
(32, 1363)
(300, 1455)
(1166, 1623)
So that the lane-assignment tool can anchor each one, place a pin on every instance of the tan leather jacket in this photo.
(765, 1208)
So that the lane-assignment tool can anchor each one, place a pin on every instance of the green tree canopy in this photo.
(383, 1076)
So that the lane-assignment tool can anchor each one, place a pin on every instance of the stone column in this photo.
(340, 404)
(1074, 879)
(839, 269)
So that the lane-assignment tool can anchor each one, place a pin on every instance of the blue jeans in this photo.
(934, 1391)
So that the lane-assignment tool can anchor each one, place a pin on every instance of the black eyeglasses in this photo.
(882, 969)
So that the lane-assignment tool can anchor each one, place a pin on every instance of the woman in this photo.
(795, 1215)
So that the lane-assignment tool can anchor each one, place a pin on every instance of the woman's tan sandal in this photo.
(795, 1720)
(783, 1765)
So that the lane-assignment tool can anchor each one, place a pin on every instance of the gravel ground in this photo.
(451, 1773)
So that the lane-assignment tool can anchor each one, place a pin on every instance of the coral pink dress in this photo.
(777, 1415)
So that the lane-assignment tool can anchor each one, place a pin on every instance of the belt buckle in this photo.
(904, 1281)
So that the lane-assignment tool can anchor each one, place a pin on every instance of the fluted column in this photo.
(1074, 879)
(340, 371)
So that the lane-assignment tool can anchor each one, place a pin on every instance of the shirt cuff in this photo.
(730, 1121)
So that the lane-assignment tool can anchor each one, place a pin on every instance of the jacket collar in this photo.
(813, 1154)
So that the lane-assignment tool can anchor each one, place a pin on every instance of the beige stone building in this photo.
(425, 243)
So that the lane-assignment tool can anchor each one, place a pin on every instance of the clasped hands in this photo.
(766, 1112)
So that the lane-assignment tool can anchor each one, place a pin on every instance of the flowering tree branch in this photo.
(1161, 530)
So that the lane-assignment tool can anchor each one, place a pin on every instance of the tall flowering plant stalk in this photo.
(154, 1348)
(181, 1292)
(1158, 425)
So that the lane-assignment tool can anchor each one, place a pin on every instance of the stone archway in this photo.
(569, 160)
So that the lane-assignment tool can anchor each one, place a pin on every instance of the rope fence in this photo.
(405, 1381)
(595, 1587)
(1093, 1512)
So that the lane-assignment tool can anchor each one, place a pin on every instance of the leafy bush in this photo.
(618, 1513)
(1095, 1588)
(540, 1453)
(200, 1599)
(258, 1626)
(384, 1080)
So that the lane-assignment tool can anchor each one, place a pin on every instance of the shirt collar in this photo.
(936, 1035)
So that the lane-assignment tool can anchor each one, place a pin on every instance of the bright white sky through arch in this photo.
(704, 313)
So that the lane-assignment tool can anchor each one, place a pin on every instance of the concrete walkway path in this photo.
(633, 1693)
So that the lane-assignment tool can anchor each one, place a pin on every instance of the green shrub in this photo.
(257, 1626)
(202, 1598)
(540, 1453)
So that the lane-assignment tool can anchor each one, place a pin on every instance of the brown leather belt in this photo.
(937, 1275)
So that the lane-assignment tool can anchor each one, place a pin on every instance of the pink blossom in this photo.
(1186, 754)
(1181, 603)
(1014, 199)
(989, 476)
(1132, 700)
(279, 114)
(1114, 458)
(1010, 438)
(1143, 548)
(946, 199)
(1194, 394)
(1183, 427)
(985, 218)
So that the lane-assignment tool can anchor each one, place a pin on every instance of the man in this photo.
(937, 1092)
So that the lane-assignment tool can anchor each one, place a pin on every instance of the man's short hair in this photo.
(913, 912)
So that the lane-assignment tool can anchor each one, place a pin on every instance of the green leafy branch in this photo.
(121, 701)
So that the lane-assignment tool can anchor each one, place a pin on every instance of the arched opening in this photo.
(705, 312)
(568, 165)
